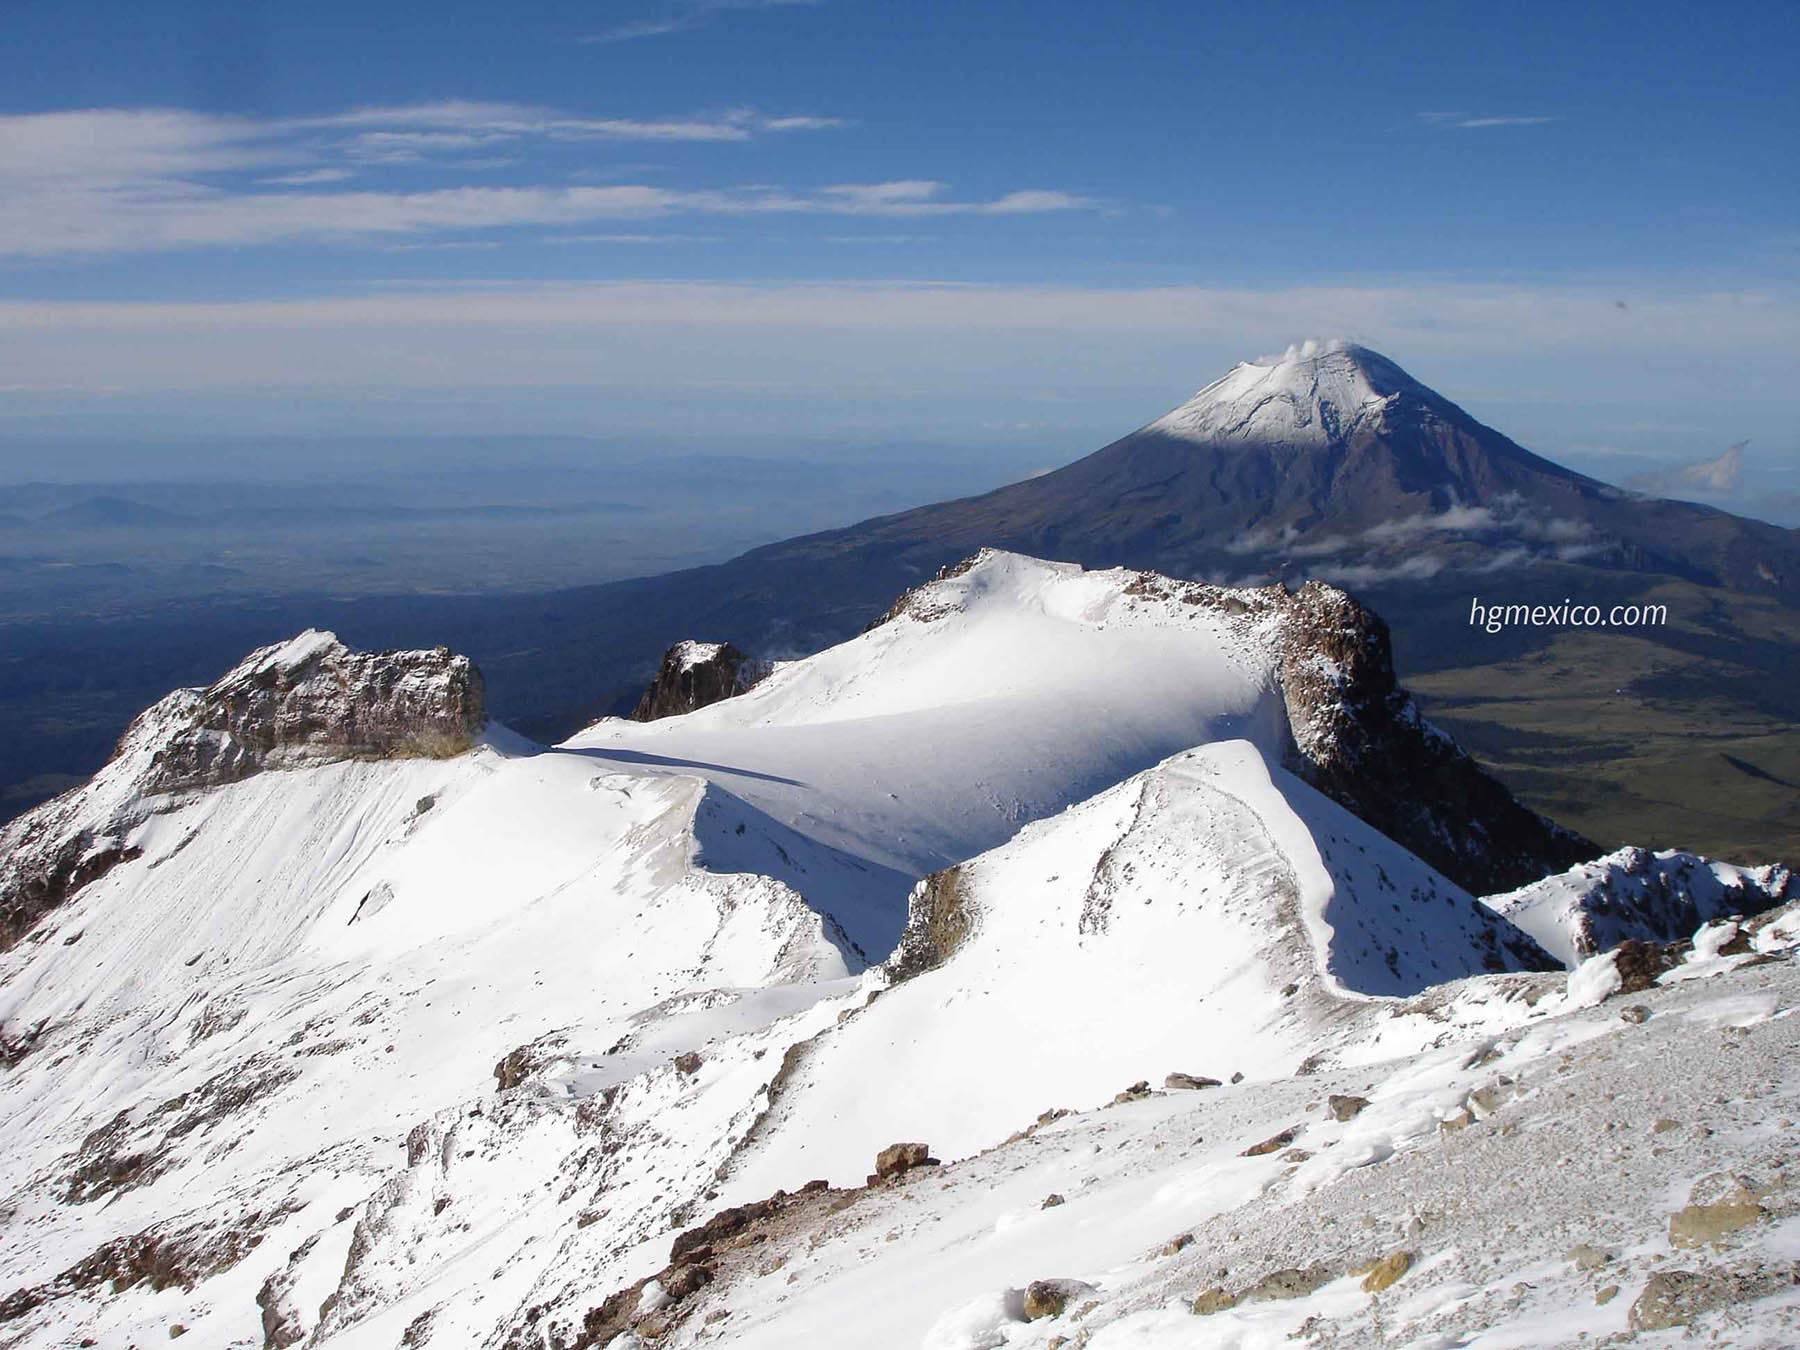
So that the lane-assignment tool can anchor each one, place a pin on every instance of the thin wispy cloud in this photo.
(112, 180)
(309, 177)
(1465, 121)
(685, 18)
(1719, 474)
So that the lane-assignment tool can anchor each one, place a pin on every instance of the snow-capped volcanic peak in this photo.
(1309, 395)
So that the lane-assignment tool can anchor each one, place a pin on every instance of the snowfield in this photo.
(471, 1050)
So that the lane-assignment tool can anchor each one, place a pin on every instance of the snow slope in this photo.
(1211, 915)
(996, 697)
(374, 1050)
(1569, 1178)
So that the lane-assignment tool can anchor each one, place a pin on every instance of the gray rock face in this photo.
(694, 675)
(313, 700)
(310, 700)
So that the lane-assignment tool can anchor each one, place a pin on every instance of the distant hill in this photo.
(109, 511)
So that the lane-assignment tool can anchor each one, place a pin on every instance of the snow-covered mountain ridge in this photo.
(369, 1048)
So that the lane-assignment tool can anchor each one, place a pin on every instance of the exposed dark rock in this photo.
(19, 1044)
(938, 921)
(685, 1280)
(1291, 1282)
(108, 1162)
(160, 1258)
(1360, 739)
(697, 1258)
(521, 1063)
(1675, 1298)
(1050, 1298)
(1640, 964)
(1636, 894)
(695, 674)
(312, 700)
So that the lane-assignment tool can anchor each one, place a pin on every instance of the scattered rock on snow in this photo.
(1273, 1144)
(1386, 1271)
(1189, 1082)
(1049, 1298)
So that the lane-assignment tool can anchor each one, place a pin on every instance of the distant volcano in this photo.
(1331, 461)
(1327, 461)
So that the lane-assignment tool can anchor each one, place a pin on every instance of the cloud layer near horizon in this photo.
(531, 334)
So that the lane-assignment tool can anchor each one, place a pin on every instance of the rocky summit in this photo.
(310, 700)
(694, 674)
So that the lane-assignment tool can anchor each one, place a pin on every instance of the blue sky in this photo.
(858, 220)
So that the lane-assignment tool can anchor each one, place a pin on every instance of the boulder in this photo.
(896, 1159)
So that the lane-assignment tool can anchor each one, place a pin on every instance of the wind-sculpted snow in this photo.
(250, 1014)
(1224, 908)
(1009, 688)
(377, 1049)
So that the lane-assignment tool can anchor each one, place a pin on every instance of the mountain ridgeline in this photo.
(1329, 461)
(336, 1014)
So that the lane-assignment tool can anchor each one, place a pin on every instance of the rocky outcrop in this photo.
(1635, 895)
(898, 1159)
(310, 700)
(1360, 739)
(938, 921)
(695, 674)
(720, 1250)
